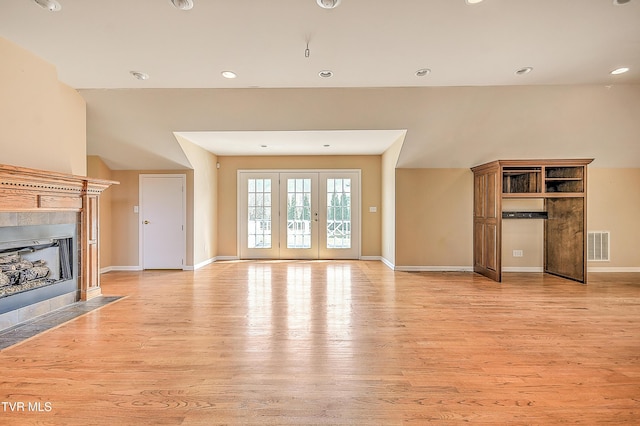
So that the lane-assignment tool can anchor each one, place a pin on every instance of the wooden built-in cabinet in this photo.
(562, 184)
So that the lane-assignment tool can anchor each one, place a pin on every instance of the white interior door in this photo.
(299, 215)
(162, 221)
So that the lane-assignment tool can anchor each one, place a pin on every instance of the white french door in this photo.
(299, 215)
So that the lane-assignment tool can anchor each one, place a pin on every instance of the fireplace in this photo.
(37, 263)
(49, 241)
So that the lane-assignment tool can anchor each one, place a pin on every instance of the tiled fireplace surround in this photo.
(38, 197)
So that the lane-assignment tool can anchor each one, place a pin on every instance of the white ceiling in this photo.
(333, 142)
(366, 43)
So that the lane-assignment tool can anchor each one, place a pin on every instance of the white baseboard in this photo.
(120, 268)
(388, 263)
(613, 269)
(537, 269)
(223, 258)
(199, 265)
(434, 268)
(589, 269)
(210, 261)
(370, 258)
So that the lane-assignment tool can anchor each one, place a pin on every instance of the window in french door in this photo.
(299, 213)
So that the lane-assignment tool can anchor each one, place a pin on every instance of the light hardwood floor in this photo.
(336, 343)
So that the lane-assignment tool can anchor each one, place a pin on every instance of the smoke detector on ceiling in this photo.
(50, 5)
(328, 4)
(183, 4)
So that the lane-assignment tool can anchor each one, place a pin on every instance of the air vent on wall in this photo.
(598, 246)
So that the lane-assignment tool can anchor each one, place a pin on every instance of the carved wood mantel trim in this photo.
(31, 190)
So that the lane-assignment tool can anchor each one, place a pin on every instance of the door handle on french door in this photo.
(146, 222)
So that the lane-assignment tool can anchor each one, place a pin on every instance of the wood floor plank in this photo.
(353, 343)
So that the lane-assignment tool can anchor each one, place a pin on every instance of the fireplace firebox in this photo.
(37, 263)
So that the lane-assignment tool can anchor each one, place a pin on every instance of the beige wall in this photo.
(389, 161)
(613, 199)
(227, 193)
(434, 217)
(125, 223)
(42, 121)
(205, 201)
(96, 168)
(523, 234)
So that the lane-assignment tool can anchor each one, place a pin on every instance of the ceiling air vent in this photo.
(598, 246)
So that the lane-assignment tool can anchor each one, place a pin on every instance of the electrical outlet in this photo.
(518, 253)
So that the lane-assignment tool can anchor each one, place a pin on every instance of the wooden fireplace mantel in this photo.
(31, 190)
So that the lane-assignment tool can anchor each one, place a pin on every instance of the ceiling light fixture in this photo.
(525, 70)
(473, 1)
(183, 4)
(326, 73)
(229, 74)
(620, 2)
(328, 4)
(50, 5)
(621, 70)
(422, 72)
(139, 75)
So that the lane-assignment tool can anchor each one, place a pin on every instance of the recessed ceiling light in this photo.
(139, 75)
(473, 1)
(525, 70)
(328, 4)
(50, 5)
(621, 70)
(183, 4)
(229, 74)
(326, 145)
(422, 72)
(326, 73)
(263, 146)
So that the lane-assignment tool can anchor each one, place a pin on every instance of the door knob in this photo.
(146, 222)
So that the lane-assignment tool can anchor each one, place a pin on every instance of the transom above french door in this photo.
(299, 214)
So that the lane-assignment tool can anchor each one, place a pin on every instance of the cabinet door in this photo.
(565, 238)
(487, 224)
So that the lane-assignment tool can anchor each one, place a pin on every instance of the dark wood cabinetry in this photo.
(561, 183)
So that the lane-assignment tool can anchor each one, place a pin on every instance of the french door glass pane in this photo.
(299, 213)
(338, 213)
(259, 217)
